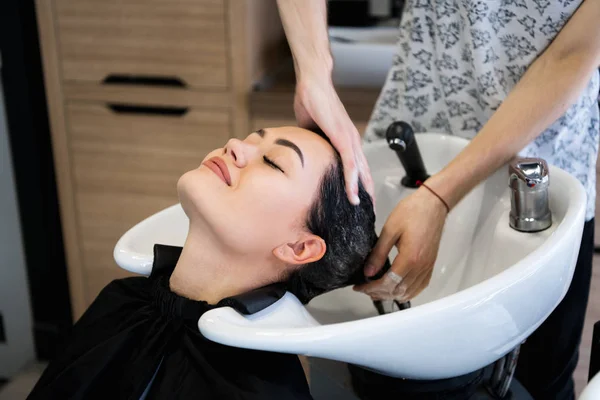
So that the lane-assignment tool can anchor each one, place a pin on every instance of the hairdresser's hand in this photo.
(415, 227)
(317, 103)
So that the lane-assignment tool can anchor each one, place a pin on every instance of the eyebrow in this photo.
(286, 143)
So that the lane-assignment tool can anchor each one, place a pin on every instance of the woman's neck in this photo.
(207, 271)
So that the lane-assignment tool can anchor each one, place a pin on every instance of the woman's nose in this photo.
(238, 151)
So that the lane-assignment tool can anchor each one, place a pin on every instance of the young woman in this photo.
(269, 209)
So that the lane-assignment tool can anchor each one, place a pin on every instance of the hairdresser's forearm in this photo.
(541, 97)
(551, 84)
(305, 24)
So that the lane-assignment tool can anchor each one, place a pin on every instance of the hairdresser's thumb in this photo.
(379, 255)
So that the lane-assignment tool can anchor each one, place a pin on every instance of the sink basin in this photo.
(362, 56)
(492, 286)
(592, 390)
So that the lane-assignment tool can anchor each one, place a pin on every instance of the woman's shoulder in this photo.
(117, 297)
(130, 288)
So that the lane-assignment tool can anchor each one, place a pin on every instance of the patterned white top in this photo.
(458, 59)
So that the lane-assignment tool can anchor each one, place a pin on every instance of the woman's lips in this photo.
(218, 166)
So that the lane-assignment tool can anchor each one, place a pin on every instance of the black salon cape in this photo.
(134, 323)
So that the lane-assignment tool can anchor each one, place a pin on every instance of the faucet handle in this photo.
(529, 181)
(528, 174)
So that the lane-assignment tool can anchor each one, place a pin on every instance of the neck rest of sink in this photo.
(246, 303)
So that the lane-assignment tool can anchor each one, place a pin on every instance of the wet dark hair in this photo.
(348, 231)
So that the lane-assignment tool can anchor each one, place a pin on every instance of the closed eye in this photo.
(271, 164)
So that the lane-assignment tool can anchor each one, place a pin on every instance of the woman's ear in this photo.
(307, 249)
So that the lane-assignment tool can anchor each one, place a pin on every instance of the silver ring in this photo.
(395, 277)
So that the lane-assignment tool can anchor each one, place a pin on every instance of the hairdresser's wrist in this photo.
(317, 71)
(448, 187)
(433, 205)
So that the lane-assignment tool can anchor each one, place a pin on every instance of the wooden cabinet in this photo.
(138, 92)
(144, 153)
(177, 39)
(103, 216)
(125, 167)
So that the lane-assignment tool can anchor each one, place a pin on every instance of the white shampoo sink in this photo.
(492, 286)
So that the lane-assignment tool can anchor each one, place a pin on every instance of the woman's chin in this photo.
(196, 193)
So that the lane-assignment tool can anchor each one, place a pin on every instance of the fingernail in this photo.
(355, 199)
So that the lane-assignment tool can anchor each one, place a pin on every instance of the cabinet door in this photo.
(126, 163)
(103, 217)
(139, 149)
(181, 40)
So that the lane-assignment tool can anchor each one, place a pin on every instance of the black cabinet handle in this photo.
(144, 80)
(148, 110)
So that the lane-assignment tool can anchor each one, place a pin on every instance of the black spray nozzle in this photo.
(401, 138)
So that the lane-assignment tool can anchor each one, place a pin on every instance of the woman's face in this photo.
(254, 195)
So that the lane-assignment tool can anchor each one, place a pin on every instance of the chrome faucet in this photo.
(528, 182)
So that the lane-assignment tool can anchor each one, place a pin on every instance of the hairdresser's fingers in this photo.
(363, 166)
(411, 277)
(415, 287)
(423, 284)
(303, 117)
(409, 288)
(349, 164)
(379, 254)
(317, 102)
(384, 288)
(392, 286)
(343, 135)
(364, 172)
(405, 266)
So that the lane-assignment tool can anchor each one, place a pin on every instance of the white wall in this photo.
(14, 292)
